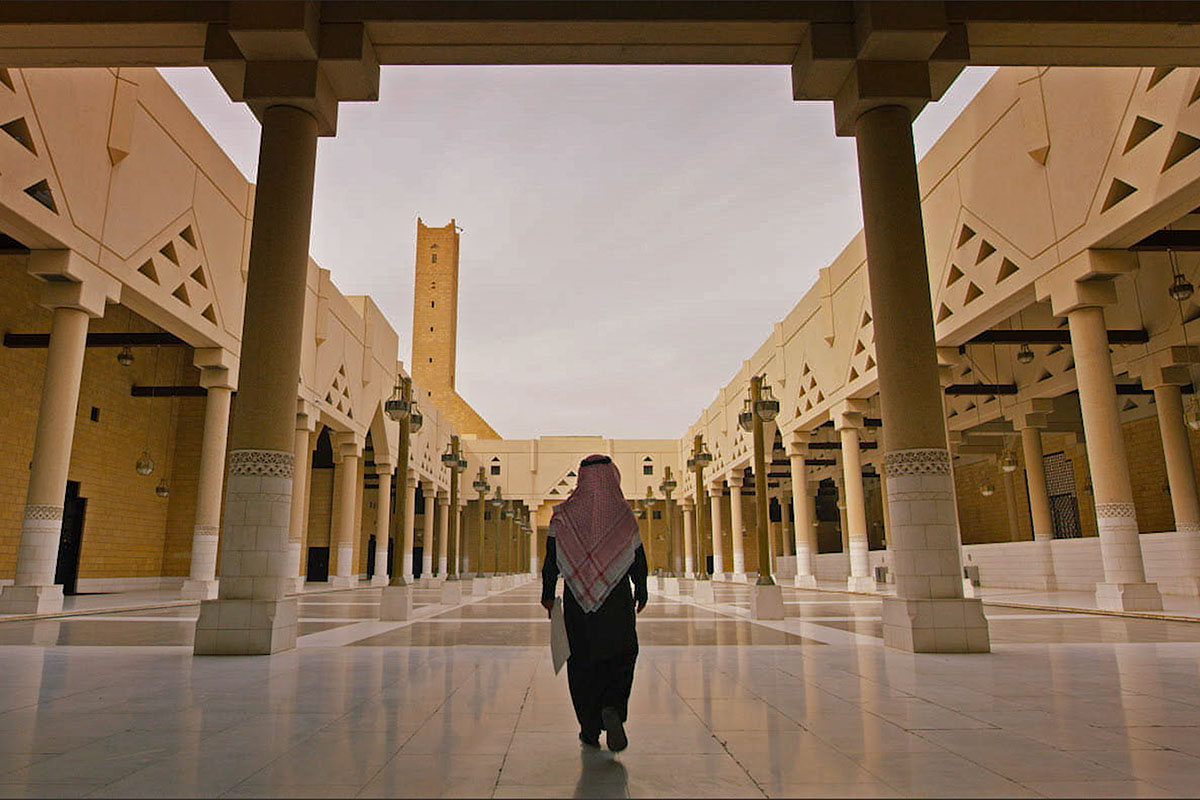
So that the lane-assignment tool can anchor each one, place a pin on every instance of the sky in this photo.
(630, 234)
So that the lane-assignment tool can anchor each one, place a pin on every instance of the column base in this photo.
(199, 590)
(1128, 597)
(451, 593)
(396, 603)
(860, 583)
(245, 627)
(703, 592)
(766, 602)
(805, 581)
(968, 589)
(343, 581)
(949, 625)
(300, 583)
(1188, 587)
(653, 583)
(670, 586)
(1044, 583)
(480, 587)
(31, 599)
(739, 577)
(686, 586)
(379, 580)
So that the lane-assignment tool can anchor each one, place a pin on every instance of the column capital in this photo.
(218, 367)
(1166, 367)
(735, 480)
(715, 489)
(849, 413)
(307, 416)
(347, 444)
(280, 53)
(1032, 413)
(384, 466)
(1084, 280)
(71, 281)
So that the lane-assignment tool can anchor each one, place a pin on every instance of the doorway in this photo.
(70, 540)
(318, 564)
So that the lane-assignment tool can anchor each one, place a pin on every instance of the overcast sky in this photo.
(630, 234)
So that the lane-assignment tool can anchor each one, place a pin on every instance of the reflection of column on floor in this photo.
(252, 615)
(839, 483)
(715, 493)
(216, 377)
(1181, 471)
(803, 518)
(306, 427)
(689, 527)
(1010, 506)
(443, 504)
(737, 534)
(848, 420)
(929, 612)
(427, 532)
(383, 522)
(347, 451)
(1124, 586)
(410, 522)
(1030, 418)
(71, 300)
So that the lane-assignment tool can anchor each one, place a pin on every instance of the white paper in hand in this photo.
(560, 647)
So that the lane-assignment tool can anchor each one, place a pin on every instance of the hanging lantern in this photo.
(987, 489)
(125, 357)
(1008, 461)
(1180, 289)
(703, 458)
(161, 490)
(415, 420)
(1025, 354)
(746, 417)
(450, 459)
(145, 464)
(767, 406)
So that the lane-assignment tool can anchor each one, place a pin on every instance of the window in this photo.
(430, 360)
(433, 259)
(495, 469)
(657, 514)
(647, 469)
(433, 304)
(431, 329)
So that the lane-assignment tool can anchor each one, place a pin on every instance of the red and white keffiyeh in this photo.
(596, 533)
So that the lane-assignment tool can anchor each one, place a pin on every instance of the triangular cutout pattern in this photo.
(853, 374)
(955, 274)
(973, 292)
(1045, 376)
(1058, 348)
(19, 130)
(198, 276)
(985, 250)
(148, 270)
(1129, 406)
(1141, 129)
(859, 347)
(965, 235)
(6, 79)
(1183, 146)
(209, 314)
(1157, 75)
(40, 191)
(1007, 269)
(181, 295)
(1116, 193)
(1195, 93)
(188, 236)
(944, 313)
(866, 320)
(168, 251)
(870, 363)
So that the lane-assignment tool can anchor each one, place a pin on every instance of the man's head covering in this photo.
(596, 533)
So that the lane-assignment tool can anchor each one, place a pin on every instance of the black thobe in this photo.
(604, 643)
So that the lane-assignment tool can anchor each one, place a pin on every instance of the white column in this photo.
(71, 304)
(306, 424)
(689, 527)
(718, 544)
(1039, 505)
(383, 523)
(348, 450)
(1181, 477)
(860, 579)
(427, 532)
(410, 520)
(802, 523)
(201, 583)
(737, 533)
(1125, 586)
(443, 502)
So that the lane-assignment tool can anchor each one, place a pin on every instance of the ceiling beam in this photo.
(168, 391)
(42, 340)
(1184, 240)
(957, 389)
(1053, 336)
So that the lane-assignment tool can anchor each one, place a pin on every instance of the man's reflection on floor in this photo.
(600, 775)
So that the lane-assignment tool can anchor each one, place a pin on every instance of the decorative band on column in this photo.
(43, 512)
(261, 463)
(1187, 527)
(205, 530)
(920, 461)
(1111, 510)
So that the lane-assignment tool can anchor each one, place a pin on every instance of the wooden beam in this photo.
(838, 445)
(1184, 241)
(42, 340)
(1053, 336)
(168, 391)
(956, 389)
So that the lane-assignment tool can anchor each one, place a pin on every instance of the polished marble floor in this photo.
(463, 702)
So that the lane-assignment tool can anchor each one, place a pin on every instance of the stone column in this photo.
(410, 521)
(929, 612)
(347, 448)
(443, 502)
(802, 521)
(71, 304)
(201, 583)
(427, 532)
(860, 579)
(737, 534)
(1125, 587)
(1039, 505)
(715, 493)
(689, 523)
(253, 615)
(305, 436)
(383, 522)
(1181, 477)
(1010, 506)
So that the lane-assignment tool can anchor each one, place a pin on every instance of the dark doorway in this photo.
(418, 560)
(318, 564)
(371, 555)
(70, 541)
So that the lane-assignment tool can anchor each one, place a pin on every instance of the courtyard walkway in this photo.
(463, 702)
